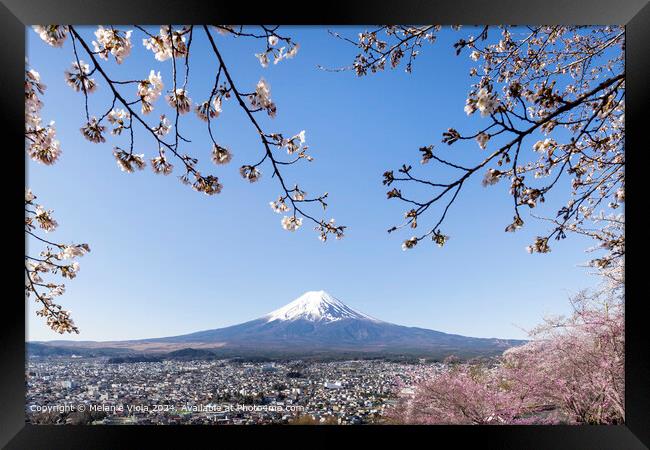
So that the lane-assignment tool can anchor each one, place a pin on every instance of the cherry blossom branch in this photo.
(56, 317)
(293, 221)
(528, 69)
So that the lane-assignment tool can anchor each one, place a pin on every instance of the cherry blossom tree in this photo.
(134, 101)
(577, 363)
(572, 371)
(552, 103)
(462, 395)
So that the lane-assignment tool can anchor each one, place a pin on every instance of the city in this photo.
(93, 391)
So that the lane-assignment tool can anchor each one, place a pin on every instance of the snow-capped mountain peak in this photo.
(316, 306)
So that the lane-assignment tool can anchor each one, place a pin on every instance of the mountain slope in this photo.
(317, 321)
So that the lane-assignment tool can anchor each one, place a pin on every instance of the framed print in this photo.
(326, 227)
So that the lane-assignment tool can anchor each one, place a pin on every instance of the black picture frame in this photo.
(17, 14)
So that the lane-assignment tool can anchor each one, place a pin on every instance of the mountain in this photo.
(316, 323)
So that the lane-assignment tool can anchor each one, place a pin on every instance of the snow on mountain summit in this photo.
(316, 306)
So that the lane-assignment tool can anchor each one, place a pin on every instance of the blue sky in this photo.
(166, 260)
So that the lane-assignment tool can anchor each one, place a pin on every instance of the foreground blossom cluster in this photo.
(41, 143)
(572, 371)
(275, 49)
(167, 43)
(111, 41)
